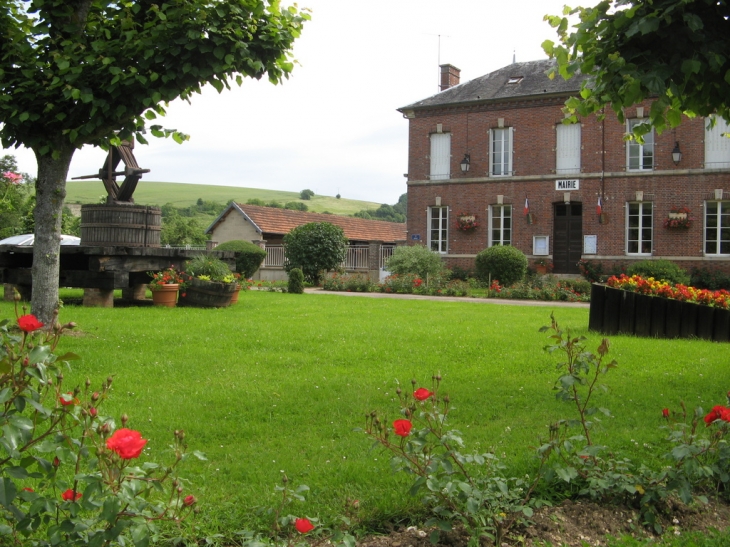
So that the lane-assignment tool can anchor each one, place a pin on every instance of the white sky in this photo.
(333, 126)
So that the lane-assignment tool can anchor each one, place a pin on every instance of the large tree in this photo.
(674, 52)
(76, 72)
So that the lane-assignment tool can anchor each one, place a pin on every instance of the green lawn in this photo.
(184, 195)
(278, 382)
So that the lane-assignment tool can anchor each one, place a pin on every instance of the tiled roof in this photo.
(281, 221)
(530, 79)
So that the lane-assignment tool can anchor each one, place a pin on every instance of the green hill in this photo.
(185, 195)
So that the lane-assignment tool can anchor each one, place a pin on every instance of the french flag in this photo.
(527, 207)
(599, 207)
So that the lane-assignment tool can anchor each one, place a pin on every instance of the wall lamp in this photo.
(676, 154)
(465, 163)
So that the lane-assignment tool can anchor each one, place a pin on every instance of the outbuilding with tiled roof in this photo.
(256, 223)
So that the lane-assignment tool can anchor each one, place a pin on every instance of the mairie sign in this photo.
(567, 184)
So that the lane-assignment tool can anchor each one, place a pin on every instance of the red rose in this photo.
(402, 427)
(56, 462)
(718, 412)
(127, 443)
(189, 501)
(303, 526)
(93, 412)
(665, 412)
(29, 323)
(68, 399)
(28, 489)
(422, 394)
(68, 495)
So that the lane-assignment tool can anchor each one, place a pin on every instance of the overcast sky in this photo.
(333, 126)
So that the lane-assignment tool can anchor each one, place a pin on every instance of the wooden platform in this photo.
(100, 270)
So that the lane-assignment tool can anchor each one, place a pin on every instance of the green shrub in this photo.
(415, 259)
(714, 280)
(296, 281)
(348, 282)
(209, 266)
(249, 257)
(462, 274)
(315, 248)
(296, 206)
(661, 269)
(502, 262)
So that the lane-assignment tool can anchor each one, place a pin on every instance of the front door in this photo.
(567, 237)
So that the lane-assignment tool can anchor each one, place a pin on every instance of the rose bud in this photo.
(125, 419)
(95, 396)
(93, 412)
(189, 500)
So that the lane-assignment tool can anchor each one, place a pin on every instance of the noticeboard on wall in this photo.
(590, 244)
(541, 245)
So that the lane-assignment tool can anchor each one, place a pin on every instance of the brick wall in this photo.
(534, 143)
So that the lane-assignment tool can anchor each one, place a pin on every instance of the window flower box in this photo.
(466, 222)
(678, 219)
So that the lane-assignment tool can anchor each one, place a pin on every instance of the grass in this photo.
(278, 382)
(184, 195)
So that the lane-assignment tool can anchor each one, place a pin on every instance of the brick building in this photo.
(495, 149)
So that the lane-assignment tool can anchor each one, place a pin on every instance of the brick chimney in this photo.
(449, 76)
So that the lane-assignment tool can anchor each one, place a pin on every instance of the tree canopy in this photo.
(76, 72)
(674, 52)
(315, 248)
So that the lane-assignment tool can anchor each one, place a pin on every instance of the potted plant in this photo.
(209, 283)
(234, 295)
(165, 285)
(543, 266)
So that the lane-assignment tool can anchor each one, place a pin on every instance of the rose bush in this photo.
(66, 472)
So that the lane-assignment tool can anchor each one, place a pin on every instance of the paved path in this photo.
(454, 299)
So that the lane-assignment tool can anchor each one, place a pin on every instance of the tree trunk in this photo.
(50, 194)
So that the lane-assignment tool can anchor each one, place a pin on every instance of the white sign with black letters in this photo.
(566, 185)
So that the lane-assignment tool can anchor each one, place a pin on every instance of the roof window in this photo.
(515, 79)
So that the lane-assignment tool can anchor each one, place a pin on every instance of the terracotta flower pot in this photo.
(165, 295)
(234, 296)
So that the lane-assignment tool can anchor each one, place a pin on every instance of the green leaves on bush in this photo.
(296, 281)
(415, 259)
(315, 248)
(249, 256)
(503, 262)
(661, 270)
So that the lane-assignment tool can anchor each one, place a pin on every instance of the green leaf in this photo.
(110, 510)
(8, 491)
(141, 535)
(69, 356)
(527, 511)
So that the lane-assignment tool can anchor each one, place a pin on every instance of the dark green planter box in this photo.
(615, 311)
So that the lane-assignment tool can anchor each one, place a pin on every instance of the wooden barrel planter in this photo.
(207, 294)
(120, 225)
(615, 311)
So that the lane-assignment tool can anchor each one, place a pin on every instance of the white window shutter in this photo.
(567, 153)
(440, 156)
(717, 146)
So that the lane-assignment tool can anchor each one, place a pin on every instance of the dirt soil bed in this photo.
(574, 524)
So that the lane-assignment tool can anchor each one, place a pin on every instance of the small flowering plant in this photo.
(485, 502)
(678, 219)
(168, 276)
(466, 222)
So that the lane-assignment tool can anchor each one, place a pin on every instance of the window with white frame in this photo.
(440, 156)
(639, 227)
(438, 228)
(500, 232)
(500, 157)
(567, 149)
(717, 228)
(640, 156)
(717, 144)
